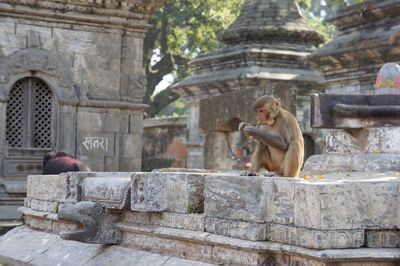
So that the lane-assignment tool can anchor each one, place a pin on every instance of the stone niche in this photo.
(71, 78)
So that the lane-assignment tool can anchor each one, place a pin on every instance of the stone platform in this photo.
(336, 219)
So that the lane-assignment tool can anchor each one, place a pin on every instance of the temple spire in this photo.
(260, 19)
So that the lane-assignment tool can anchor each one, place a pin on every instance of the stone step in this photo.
(24, 246)
(207, 247)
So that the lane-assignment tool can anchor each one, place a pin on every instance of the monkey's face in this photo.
(266, 116)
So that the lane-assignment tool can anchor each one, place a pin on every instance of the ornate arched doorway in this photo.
(29, 125)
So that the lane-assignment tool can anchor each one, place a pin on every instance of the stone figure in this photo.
(99, 227)
(62, 162)
(280, 146)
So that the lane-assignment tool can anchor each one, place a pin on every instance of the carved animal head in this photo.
(267, 108)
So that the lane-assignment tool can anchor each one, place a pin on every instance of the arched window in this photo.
(30, 114)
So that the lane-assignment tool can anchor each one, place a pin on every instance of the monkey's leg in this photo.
(260, 158)
(293, 159)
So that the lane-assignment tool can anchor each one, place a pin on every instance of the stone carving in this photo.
(173, 192)
(316, 239)
(34, 59)
(98, 227)
(133, 86)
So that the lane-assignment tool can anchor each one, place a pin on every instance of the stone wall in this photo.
(164, 143)
(89, 54)
(338, 219)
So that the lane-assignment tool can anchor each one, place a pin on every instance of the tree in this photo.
(183, 29)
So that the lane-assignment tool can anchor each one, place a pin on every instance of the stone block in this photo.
(115, 121)
(279, 194)
(111, 164)
(366, 140)
(47, 187)
(62, 226)
(39, 223)
(229, 256)
(44, 205)
(130, 164)
(173, 192)
(368, 162)
(382, 238)
(237, 198)
(243, 230)
(90, 120)
(136, 123)
(111, 192)
(347, 204)
(315, 239)
(353, 111)
(174, 247)
(193, 222)
(130, 145)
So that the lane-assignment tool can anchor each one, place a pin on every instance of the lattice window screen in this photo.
(29, 114)
(15, 115)
(42, 115)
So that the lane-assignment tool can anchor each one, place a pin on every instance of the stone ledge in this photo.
(194, 222)
(327, 255)
(316, 239)
(237, 229)
(24, 246)
(47, 221)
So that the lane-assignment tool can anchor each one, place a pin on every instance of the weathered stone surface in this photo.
(382, 238)
(89, 55)
(39, 223)
(44, 205)
(347, 204)
(243, 230)
(174, 247)
(315, 239)
(111, 192)
(173, 192)
(354, 111)
(98, 227)
(365, 140)
(280, 199)
(333, 163)
(238, 257)
(194, 222)
(23, 245)
(236, 198)
(48, 187)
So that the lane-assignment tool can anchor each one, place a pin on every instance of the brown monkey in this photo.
(280, 146)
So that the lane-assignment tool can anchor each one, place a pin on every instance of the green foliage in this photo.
(185, 29)
(175, 108)
(193, 24)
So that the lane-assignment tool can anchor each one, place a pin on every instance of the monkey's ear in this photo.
(278, 102)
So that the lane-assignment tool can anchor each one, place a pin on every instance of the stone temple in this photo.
(344, 210)
(71, 78)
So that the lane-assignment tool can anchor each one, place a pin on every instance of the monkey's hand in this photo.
(242, 125)
(250, 130)
(266, 137)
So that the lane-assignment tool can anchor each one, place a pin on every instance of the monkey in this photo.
(280, 143)
(61, 162)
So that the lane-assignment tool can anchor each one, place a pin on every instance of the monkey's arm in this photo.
(266, 138)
